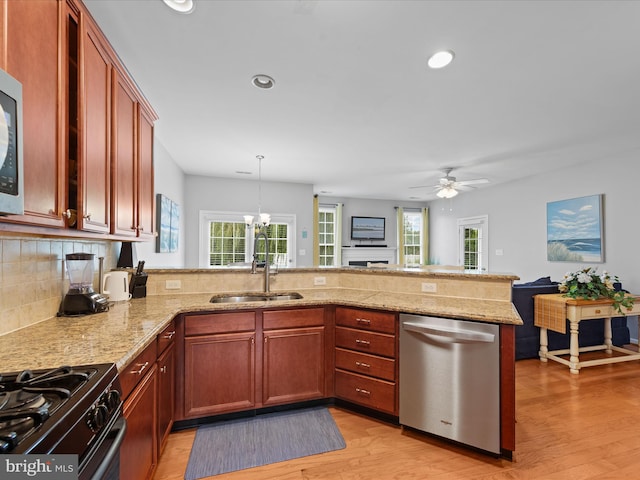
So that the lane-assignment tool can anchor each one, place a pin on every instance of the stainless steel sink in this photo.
(254, 297)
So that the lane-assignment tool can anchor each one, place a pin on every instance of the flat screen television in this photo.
(367, 228)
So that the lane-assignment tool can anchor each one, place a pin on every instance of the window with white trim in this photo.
(473, 236)
(412, 235)
(327, 238)
(226, 240)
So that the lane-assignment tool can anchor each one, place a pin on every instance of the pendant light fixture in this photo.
(263, 218)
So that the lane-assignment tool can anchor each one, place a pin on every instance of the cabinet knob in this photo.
(87, 216)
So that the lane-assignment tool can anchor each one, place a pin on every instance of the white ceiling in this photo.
(535, 86)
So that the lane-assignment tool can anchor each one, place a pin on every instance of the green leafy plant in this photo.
(588, 285)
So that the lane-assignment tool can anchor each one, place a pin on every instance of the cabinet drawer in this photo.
(219, 323)
(366, 391)
(166, 337)
(137, 369)
(366, 364)
(366, 319)
(304, 317)
(369, 342)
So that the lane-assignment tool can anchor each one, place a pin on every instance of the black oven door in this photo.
(104, 463)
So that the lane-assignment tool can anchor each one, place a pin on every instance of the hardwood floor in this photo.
(584, 426)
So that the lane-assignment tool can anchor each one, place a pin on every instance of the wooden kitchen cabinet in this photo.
(219, 363)
(166, 382)
(87, 129)
(366, 366)
(246, 360)
(94, 131)
(293, 360)
(124, 145)
(132, 162)
(139, 450)
(29, 49)
(145, 202)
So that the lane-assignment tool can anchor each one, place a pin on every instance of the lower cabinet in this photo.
(249, 359)
(139, 452)
(366, 367)
(293, 360)
(166, 383)
(219, 363)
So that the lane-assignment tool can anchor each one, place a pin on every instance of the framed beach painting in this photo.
(168, 224)
(575, 230)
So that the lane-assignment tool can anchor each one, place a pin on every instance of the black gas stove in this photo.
(67, 410)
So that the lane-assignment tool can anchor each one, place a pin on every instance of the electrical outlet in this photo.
(319, 280)
(429, 287)
(173, 284)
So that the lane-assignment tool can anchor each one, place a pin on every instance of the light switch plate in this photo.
(173, 284)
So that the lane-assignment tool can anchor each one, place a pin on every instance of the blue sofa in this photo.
(528, 335)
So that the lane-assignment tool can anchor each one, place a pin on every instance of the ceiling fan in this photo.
(448, 186)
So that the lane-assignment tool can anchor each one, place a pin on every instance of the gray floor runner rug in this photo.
(249, 442)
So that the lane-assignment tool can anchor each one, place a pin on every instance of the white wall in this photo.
(517, 220)
(169, 181)
(224, 194)
(370, 208)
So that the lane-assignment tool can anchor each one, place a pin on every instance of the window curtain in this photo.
(400, 229)
(316, 231)
(424, 251)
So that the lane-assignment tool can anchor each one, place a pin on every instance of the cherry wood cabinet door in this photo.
(95, 111)
(146, 193)
(31, 47)
(166, 393)
(124, 145)
(219, 374)
(139, 452)
(293, 365)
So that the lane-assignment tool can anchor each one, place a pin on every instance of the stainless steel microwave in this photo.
(11, 159)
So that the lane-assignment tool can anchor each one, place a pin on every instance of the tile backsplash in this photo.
(31, 276)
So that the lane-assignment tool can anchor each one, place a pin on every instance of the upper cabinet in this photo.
(88, 131)
(32, 52)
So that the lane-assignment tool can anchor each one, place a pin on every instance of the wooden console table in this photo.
(578, 310)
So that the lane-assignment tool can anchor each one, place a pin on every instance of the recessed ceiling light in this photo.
(181, 6)
(440, 59)
(263, 81)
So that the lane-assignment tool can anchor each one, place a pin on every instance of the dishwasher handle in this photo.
(439, 331)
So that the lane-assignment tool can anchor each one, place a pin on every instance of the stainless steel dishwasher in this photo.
(450, 379)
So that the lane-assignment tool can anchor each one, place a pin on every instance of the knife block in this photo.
(138, 285)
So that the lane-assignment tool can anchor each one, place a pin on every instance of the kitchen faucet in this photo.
(254, 263)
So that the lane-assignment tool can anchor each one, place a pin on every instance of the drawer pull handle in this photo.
(363, 342)
(163, 369)
(142, 367)
(169, 335)
(362, 391)
(363, 321)
(598, 310)
(363, 365)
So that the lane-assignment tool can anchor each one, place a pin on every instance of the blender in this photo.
(81, 298)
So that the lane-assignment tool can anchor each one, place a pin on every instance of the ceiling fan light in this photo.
(440, 59)
(447, 192)
(181, 6)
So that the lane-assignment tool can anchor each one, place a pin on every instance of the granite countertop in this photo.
(119, 335)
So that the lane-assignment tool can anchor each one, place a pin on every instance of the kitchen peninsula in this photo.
(124, 333)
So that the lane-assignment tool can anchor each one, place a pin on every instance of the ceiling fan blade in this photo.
(473, 182)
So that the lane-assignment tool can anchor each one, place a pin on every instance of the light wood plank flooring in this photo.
(577, 427)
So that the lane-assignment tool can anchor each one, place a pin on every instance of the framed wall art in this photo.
(575, 230)
(168, 224)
